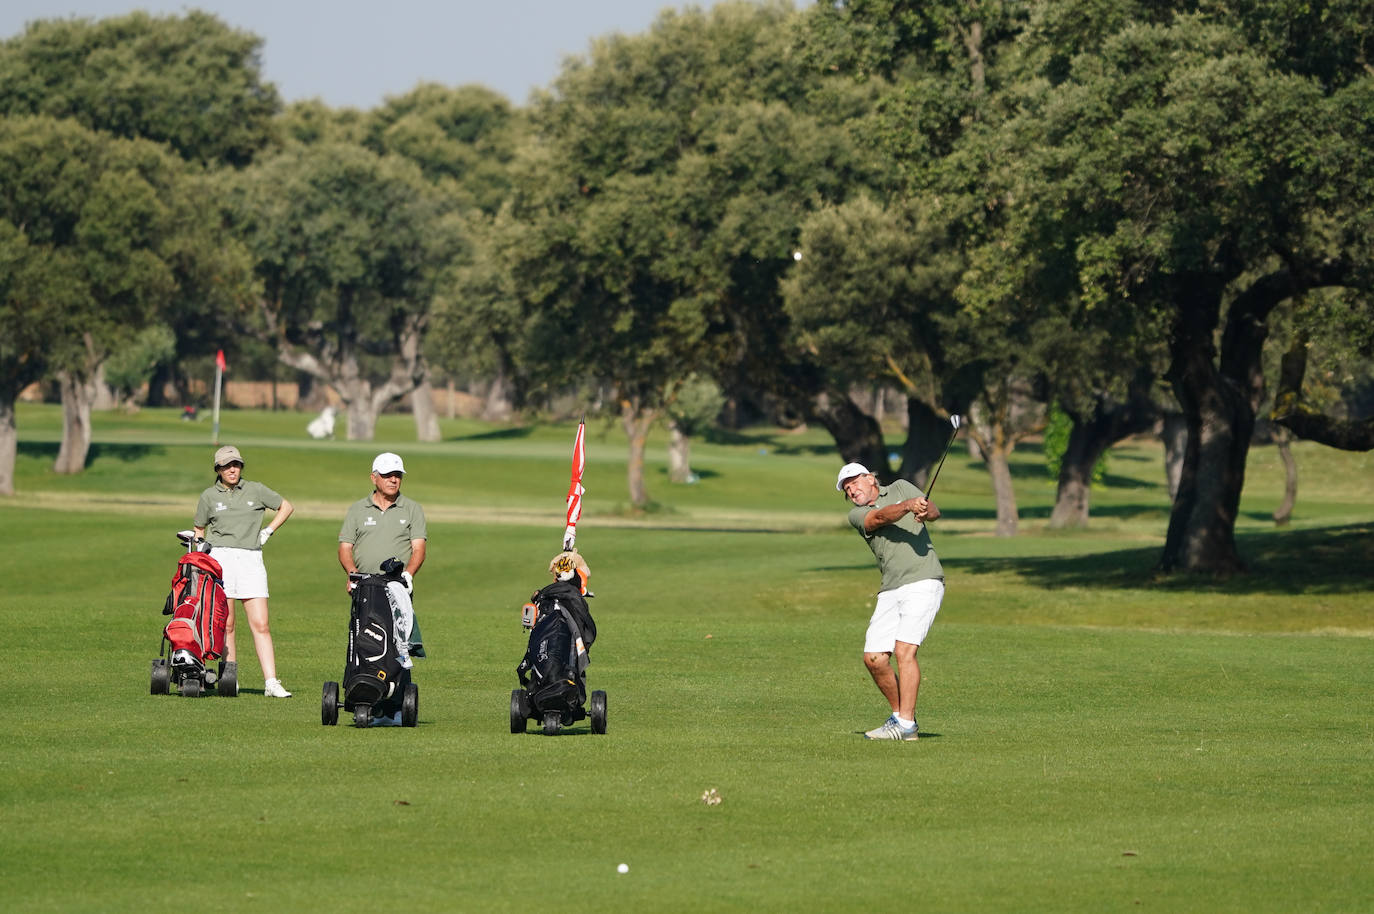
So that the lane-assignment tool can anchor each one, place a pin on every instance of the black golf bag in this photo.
(554, 669)
(376, 680)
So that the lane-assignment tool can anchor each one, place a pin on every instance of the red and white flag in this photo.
(575, 490)
(219, 360)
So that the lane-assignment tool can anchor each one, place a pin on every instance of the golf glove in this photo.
(264, 534)
(410, 581)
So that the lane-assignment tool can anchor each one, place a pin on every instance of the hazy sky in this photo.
(356, 52)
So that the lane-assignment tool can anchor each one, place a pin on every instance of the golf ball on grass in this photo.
(623, 868)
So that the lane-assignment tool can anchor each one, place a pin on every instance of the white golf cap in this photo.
(847, 472)
(388, 463)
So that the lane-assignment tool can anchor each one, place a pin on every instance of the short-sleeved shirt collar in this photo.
(372, 500)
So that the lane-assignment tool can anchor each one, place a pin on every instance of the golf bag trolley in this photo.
(553, 673)
(376, 679)
(195, 635)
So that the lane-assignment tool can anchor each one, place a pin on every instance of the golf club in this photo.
(953, 421)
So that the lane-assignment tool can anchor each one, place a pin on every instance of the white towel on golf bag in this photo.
(402, 619)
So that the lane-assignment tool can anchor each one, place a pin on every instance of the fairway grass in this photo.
(1093, 739)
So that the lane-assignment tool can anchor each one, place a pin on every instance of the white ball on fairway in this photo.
(623, 868)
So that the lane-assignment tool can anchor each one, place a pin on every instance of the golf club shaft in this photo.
(936, 475)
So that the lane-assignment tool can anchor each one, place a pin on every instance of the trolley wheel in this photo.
(329, 704)
(190, 687)
(162, 677)
(228, 684)
(552, 723)
(410, 705)
(362, 715)
(598, 711)
(519, 710)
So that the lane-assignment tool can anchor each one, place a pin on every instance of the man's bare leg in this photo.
(880, 668)
(908, 679)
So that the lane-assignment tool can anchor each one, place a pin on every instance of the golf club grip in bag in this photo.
(198, 607)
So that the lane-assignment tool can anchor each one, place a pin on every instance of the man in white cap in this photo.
(385, 525)
(892, 520)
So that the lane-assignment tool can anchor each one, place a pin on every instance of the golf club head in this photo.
(954, 421)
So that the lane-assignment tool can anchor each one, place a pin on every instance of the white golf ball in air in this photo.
(796, 255)
(623, 868)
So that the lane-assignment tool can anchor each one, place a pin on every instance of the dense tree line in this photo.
(1128, 211)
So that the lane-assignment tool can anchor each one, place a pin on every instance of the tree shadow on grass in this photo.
(500, 434)
(1325, 560)
(1043, 512)
(766, 442)
(125, 453)
(699, 473)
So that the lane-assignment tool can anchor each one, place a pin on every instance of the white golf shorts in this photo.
(904, 614)
(245, 576)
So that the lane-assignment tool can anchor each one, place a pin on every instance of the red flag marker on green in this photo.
(575, 490)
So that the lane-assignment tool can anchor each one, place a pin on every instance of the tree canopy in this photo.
(189, 81)
(1111, 207)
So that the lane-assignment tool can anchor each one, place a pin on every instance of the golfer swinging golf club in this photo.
(892, 520)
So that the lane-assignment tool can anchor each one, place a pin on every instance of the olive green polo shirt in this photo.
(903, 549)
(378, 535)
(233, 517)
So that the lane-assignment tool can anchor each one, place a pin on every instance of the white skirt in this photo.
(245, 575)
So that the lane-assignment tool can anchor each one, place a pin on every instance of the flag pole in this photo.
(575, 490)
(219, 383)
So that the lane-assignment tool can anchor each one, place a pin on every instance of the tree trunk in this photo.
(9, 441)
(497, 406)
(77, 396)
(999, 468)
(309, 395)
(858, 438)
(637, 421)
(1219, 393)
(356, 394)
(157, 385)
(103, 396)
(996, 420)
(1284, 512)
(1092, 434)
(679, 454)
(1173, 431)
(1202, 534)
(926, 434)
(336, 363)
(1074, 494)
(422, 408)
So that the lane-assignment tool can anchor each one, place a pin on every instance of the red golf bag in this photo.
(198, 607)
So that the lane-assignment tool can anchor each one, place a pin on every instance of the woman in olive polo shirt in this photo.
(232, 511)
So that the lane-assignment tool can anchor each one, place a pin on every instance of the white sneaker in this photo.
(894, 730)
(878, 731)
(274, 689)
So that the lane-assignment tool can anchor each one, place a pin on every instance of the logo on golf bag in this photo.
(376, 633)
